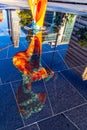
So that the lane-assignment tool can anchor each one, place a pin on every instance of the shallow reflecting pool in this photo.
(43, 74)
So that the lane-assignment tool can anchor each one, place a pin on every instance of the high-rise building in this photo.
(68, 28)
(65, 30)
(13, 26)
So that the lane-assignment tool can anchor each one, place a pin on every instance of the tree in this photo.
(82, 37)
(25, 17)
(70, 18)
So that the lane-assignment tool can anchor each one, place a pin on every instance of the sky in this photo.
(3, 25)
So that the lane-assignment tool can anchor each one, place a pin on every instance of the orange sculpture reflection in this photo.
(28, 63)
(38, 9)
(1, 15)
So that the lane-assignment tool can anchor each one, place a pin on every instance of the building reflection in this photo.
(76, 56)
(13, 26)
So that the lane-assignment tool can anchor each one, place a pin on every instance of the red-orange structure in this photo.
(1, 15)
(28, 62)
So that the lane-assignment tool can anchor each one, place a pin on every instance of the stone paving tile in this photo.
(37, 87)
(59, 47)
(76, 81)
(59, 122)
(12, 51)
(54, 61)
(3, 54)
(8, 72)
(62, 95)
(32, 127)
(6, 40)
(78, 116)
(10, 118)
(63, 53)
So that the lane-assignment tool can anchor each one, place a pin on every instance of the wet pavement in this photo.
(66, 103)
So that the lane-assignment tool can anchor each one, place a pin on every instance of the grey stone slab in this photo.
(62, 95)
(10, 118)
(79, 116)
(59, 122)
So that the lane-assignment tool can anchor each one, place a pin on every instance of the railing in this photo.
(70, 1)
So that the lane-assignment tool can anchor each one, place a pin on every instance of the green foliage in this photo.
(82, 37)
(25, 17)
(70, 18)
(62, 18)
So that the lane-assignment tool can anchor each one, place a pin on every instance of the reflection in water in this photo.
(82, 37)
(76, 56)
(28, 63)
(1, 15)
(13, 25)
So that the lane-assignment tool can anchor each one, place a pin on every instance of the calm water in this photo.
(53, 88)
